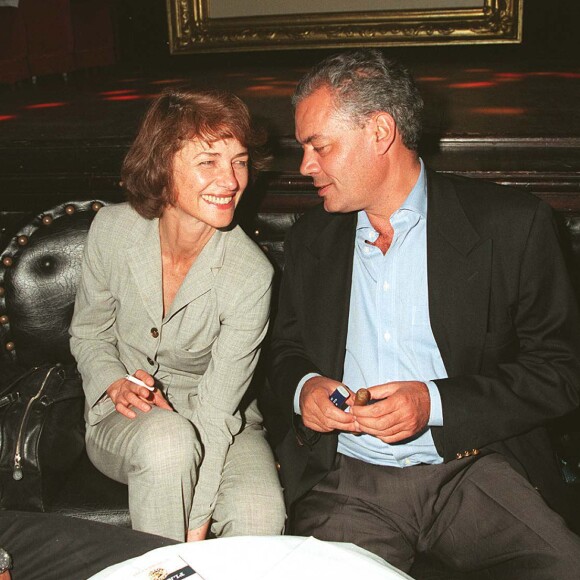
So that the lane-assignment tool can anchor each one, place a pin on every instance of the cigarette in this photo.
(139, 382)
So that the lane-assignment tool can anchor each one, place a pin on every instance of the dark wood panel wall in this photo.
(37, 176)
(540, 154)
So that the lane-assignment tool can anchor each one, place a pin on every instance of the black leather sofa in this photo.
(39, 271)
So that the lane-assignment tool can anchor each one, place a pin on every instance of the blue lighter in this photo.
(339, 397)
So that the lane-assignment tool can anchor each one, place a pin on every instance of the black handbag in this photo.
(41, 433)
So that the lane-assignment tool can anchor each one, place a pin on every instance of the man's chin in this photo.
(331, 207)
(328, 206)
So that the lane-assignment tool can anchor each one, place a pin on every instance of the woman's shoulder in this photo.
(244, 255)
(117, 218)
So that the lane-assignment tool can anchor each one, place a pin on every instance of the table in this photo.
(263, 558)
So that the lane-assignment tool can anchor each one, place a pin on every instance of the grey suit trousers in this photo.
(158, 455)
(480, 518)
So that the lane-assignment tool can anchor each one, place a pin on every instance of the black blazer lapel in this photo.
(328, 279)
(459, 275)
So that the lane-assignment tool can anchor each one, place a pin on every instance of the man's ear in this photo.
(385, 130)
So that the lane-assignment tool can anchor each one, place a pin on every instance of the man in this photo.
(449, 300)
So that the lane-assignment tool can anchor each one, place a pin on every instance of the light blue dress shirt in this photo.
(389, 332)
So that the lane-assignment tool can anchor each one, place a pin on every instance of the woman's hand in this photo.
(199, 533)
(126, 394)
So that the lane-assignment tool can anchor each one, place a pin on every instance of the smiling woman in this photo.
(209, 179)
(173, 295)
(180, 116)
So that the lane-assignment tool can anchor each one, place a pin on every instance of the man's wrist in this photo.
(299, 390)
(436, 411)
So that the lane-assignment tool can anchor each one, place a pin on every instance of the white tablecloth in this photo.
(264, 558)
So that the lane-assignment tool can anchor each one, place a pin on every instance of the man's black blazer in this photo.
(502, 311)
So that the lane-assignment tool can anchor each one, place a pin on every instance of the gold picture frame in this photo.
(192, 28)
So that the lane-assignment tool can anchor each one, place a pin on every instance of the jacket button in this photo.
(458, 456)
(154, 333)
(475, 452)
(150, 360)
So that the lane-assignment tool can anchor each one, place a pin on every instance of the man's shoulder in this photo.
(315, 220)
(481, 193)
(488, 206)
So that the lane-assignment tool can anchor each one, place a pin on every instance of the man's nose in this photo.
(309, 165)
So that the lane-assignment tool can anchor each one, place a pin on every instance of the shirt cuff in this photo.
(436, 414)
(299, 390)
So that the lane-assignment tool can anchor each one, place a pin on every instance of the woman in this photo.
(173, 295)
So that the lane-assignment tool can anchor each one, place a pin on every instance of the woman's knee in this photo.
(258, 515)
(250, 498)
(167, 443)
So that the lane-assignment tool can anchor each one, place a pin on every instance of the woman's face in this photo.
(209, 179)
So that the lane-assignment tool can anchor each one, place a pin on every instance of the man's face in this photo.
(339, 155)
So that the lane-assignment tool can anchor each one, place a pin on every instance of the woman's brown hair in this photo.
(176, 116)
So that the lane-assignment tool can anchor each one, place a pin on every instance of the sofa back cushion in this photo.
(39, 274)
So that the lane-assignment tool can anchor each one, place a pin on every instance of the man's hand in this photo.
(403, 412)
(126, 394)
(318, 412)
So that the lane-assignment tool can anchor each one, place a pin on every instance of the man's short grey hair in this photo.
(364, 82)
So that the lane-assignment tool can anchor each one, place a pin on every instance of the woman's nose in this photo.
(228, 179)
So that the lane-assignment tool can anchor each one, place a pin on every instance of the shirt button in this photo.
(366, 250)
(386, 286)
(407, 462)
(387, 336)
(154, 333)
(150, 360)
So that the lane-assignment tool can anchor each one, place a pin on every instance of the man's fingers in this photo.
(323, 416)
(326, 426)
(318, 412)
(396, 438)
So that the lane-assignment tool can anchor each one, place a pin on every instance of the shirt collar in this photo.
(416, 201)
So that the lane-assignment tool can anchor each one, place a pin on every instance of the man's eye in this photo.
(321, 148)
(241, 163)
(208, 163)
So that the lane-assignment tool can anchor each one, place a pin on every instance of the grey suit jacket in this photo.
(202, 353)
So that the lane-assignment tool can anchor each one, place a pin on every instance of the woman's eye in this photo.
(241, 163)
